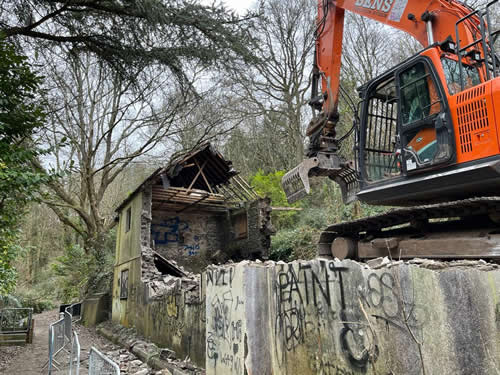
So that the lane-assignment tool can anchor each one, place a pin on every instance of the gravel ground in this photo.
(29, 359)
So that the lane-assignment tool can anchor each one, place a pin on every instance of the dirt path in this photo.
(30, 359)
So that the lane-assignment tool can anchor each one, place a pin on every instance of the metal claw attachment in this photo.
(296, 182)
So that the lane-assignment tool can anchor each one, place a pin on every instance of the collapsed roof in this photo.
(201, 178)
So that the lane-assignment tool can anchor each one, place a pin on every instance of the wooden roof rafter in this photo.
(201, 178)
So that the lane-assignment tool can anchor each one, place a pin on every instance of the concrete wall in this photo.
(95, 309)
(326, 317)
(226, 329)
(127, 257)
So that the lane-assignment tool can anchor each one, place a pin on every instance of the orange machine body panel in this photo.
(474, 121)
(473, 115)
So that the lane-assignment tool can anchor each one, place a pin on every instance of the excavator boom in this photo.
(432, 22)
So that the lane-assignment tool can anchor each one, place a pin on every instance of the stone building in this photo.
(195, 212)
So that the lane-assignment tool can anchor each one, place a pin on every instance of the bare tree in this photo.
(275, 90)
(365, 51)
(99, 124)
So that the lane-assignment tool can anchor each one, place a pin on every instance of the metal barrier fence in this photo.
(74, 359)
(56, 343)
(61, 334)
(68, 329)
(58, 335)
(99, 364)
(15, 325)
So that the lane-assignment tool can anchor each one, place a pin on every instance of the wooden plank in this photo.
(204, 177)
(188, 199)
(242, 188)
(7, 339)
(29, 339)
(173, 208)
(197, 174)
(246, 185)
(198, 202)
(343, 247)
(190, 196)
(183, 191)
(447, 247)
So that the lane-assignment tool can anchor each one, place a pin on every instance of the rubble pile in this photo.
(135, 349)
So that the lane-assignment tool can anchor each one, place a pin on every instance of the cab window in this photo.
(424, 132)
(419, 98)
(452, 75)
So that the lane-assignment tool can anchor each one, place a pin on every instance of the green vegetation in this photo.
(298, 231)
(20, 115)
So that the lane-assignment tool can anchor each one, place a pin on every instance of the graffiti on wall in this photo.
(173, 231)
(168, 231)
(166, 316)
(220, 276)
(324, 310)
(309, 300)
(225, 329)
(194, 248)
(303, 303)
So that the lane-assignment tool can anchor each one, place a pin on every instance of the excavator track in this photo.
(460, 229)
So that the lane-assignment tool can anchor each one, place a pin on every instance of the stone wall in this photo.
(256, 245)
(332, 317)
(196, 239)
(188, 238)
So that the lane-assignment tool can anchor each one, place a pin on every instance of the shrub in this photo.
(292, 244)
(34, 299)
(269, 185)
(73, 270)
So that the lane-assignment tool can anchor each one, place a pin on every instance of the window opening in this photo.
(452, 74)
(419, 97)
(240, 226)
(124, 284)
(424, 135)
(128, 221)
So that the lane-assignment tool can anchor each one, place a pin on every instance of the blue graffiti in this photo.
(192, 249)
(168, 231)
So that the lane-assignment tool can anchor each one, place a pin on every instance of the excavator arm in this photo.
(430, 22)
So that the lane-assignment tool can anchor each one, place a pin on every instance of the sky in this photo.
(239, 5)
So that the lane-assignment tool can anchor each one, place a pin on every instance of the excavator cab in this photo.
(425, 130)
(405, 125)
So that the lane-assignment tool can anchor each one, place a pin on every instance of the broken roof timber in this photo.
(190, 177)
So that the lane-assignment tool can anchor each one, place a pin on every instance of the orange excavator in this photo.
(427, 134)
